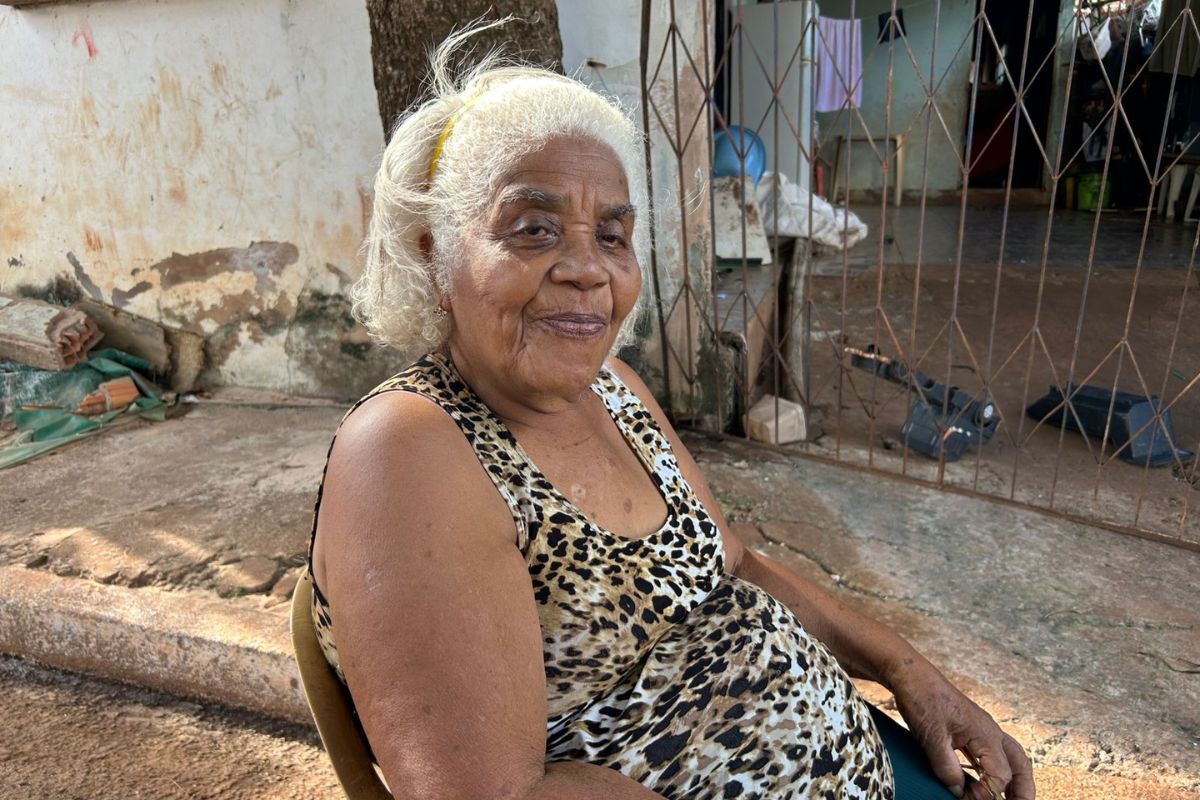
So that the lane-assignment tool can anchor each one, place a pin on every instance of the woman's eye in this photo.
(613, 236)
(535, 231)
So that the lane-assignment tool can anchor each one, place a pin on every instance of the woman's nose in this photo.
(580, 264)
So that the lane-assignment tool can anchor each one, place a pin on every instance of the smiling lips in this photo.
(576, 326)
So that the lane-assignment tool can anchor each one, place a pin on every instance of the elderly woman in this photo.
(532, 590)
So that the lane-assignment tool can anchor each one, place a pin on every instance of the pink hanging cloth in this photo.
(839, 64)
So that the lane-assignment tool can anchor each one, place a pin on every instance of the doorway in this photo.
(1002, 47)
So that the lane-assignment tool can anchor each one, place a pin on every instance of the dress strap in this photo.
(639, 428)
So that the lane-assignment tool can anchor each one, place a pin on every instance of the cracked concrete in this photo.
(1057, 629)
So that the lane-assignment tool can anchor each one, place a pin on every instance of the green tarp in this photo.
(41, 402)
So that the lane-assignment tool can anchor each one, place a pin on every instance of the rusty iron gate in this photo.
(860, 203)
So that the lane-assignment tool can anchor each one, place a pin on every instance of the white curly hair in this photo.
(486, 118)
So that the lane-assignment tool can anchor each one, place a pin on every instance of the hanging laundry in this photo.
(838, 64)
(1096, 46)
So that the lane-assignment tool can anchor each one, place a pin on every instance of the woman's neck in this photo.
(520, 406)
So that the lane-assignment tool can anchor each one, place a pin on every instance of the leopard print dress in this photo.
(660, 664)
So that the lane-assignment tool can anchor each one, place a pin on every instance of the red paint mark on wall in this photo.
(84, 33)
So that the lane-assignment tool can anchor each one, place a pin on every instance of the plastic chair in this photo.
(330, 705)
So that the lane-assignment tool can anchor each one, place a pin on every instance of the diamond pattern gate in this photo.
(872, 201)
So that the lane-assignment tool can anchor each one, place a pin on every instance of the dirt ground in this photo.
(1131, 322)
(71, 738)
(905, 312)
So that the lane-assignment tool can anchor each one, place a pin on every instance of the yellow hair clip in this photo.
(445, 134)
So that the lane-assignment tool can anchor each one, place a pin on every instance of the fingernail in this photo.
(957, 791)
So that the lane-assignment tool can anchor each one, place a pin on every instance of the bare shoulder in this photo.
(401, 470)
(389, 418)
(407, 442)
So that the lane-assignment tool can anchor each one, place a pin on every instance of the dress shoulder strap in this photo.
(637, 424)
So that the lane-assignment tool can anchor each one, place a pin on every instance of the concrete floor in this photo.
(1066, 633)
(934, 240)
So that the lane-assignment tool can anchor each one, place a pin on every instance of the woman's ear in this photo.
(426, 245)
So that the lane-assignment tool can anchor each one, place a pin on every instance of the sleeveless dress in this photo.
(659, 664)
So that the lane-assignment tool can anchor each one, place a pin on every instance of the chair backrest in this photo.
(330, 705)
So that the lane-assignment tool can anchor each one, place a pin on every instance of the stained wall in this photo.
(204, 163)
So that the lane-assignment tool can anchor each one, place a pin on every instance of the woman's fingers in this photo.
(987, 788)
(946, 766)
(945, 721)
(1021, 787)
(995, 772)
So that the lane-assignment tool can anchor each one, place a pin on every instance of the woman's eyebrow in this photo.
(618, 212)
(535, 197)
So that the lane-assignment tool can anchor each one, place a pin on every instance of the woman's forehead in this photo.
(562, 168)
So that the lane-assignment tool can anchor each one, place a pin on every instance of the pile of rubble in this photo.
(57, 387)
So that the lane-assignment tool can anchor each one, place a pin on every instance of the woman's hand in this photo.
(944, 720)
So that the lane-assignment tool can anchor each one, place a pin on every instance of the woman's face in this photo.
(548, 274)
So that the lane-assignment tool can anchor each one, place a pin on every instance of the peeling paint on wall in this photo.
(323, 331)
(83, 279)
(121, 298)
(264, 260)
(195, 163)
(328, 352)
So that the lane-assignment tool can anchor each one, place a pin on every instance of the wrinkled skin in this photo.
(545, 282)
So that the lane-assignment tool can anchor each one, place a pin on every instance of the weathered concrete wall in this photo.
(204, 163)
(951, 70)
(608, 34)
(601, 46)
(404, 31)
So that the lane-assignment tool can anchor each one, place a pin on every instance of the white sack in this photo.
(1096, 46)
(836, 228)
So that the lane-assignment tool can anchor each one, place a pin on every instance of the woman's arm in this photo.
(434, 616)
(940, 716)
